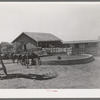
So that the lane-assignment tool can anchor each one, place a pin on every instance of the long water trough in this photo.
(62, 59)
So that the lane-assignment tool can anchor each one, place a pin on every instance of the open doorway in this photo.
(24, 47)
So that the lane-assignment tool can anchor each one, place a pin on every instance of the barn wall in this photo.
(86, 48)
(25, 40)
(30, 46)
(92, 48)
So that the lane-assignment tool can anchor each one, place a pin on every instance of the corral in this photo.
(77, 76)
(60, 66)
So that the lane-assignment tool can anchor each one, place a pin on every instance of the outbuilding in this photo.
(32, 40)
(83, 46)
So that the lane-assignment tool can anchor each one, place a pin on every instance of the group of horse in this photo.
(23, 58)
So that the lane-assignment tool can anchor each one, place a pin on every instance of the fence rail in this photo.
(73, 51)
(69, 51)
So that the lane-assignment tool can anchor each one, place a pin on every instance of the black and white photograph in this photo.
(49, 45)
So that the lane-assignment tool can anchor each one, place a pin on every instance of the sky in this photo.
(70, 21)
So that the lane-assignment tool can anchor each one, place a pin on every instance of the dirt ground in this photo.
(66, 77)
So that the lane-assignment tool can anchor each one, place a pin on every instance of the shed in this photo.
(83, 46)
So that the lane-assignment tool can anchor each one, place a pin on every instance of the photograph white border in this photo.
(45, 93)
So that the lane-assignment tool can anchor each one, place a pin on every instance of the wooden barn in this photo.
(32, 40)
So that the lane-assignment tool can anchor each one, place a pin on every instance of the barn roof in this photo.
(41, 36)
(80, 41)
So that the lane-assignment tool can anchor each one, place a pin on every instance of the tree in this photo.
(3, 66)
(17, 47)
(6, 47)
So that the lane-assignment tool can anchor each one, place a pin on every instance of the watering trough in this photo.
(62, 59)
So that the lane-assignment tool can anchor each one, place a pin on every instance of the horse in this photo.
(23, 58)
(19, 59)
(14, 57)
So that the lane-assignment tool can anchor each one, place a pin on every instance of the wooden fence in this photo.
(72, 51)
(68, 51)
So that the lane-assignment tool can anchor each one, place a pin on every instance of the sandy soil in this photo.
(67, 76)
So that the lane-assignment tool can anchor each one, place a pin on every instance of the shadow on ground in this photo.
(27, 76)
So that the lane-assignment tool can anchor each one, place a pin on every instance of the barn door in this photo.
(24, 47)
